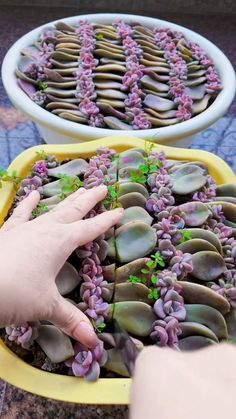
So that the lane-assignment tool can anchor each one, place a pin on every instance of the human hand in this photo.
(184, 385)
(33, 252)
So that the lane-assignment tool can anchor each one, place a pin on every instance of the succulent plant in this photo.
(23, 335)
(86, 363)
(166, 273)
(119, 76)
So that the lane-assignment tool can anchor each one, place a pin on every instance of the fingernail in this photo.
(88, 328)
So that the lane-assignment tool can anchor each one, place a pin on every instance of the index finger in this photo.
(77, 205)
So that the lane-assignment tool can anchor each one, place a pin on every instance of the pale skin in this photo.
(167, 384)
(33, 252)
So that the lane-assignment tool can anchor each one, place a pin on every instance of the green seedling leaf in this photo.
(39, 210)
(142, 180)
(186, 235)
(42, 85)
(154, 279)
(134, 279)
(115, 157)
(145, 271)
(112, 191)
(149, 145)
(153, 294)
(143, 168)
(151, 264)
(158, 259)
(69, 184)
(101, 327)
(99, 37)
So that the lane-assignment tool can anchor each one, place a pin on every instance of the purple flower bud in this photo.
(23, 335)
(28, 185)
(172, 305)
(40, 169)
(181, 264)
(166, 332)
(166, 249)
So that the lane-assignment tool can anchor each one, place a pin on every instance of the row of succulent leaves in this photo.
(70, 184)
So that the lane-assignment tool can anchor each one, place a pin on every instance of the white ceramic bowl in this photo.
(57, 130)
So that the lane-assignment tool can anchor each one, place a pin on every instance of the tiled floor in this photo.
(17, 133)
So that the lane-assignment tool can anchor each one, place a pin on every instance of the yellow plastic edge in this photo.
(60, 387)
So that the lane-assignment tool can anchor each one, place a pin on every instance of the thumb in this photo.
(73, 322)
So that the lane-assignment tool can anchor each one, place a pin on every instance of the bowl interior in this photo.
(186, 128)
(60, 387)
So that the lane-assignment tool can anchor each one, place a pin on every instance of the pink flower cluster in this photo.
(132, 77)
(86, 362)
(213, 81)
(178, 72)
(23, 335)
(169, 309)
(28, 185)
(92, 288)
(226, 288)
(85, 86)
(35, 70)
(40, 169)
(97, 171)
(94, 285)
(208, 192)
(160, 185)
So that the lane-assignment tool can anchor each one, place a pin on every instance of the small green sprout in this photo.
(158, 259)
(144, 170)
(149, 145)
(99, 37)
(115, 157)
(186, 235)
(101, 327)
(111, 200)
(136, 280)
(39, 210)
(42, 155)
(98, 328)
(42, 85)
(152, 264)
(137, 177)
(69, 184)
(154, 279)
(112, 191)
(13, 178)
(153, 294)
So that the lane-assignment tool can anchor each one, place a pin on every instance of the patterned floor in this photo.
(18, 133)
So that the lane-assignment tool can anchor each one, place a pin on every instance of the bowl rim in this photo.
(74, 129)
(60, 387)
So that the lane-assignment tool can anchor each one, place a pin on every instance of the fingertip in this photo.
(118, 211)
(33, 196)
(85, 334)
(100, 189)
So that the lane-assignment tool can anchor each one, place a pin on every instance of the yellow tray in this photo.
(60, 387)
